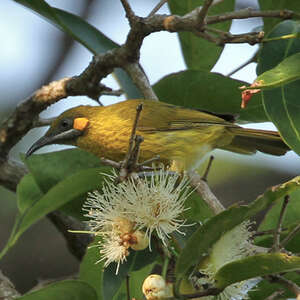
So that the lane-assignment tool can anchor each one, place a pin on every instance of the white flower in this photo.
(113, 250)
(233, 245)
(123, 214)
(157, 205)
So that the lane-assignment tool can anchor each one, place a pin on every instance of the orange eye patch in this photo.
(80, 123)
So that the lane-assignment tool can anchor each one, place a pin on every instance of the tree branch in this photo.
(140, 79)
(202, 188)
(251, 13)
(157, 7)
(203, 12)
(10, 174)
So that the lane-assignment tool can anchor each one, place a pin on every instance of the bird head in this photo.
(65, 129)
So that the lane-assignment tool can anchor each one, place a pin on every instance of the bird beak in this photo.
(50, 139)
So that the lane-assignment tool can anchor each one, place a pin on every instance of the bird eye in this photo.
(66, 124)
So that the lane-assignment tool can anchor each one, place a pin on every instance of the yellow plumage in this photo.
(177, 134)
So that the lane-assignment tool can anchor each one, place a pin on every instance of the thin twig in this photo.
(139, 109)
(205, 35)
(140, 79)
(203, 12)
(129, 12)
(129, 165)
(276, 243)
(290, 236)
(204, 177)
(149, 161)
(133, 159)
(202, 188)
(157, 7)
(275, 295)
(113, 93)
(290, 285)
(251, 13)
(267, 232)
(247, 62)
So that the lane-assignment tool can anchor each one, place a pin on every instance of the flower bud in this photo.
(142, 242)
(156, 288)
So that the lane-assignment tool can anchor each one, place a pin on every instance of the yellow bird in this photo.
(180, 136)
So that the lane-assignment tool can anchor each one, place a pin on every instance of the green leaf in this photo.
(281, 104)
(197, 209)
(269, 23)
(209, 91)
(275, 51)
(285, 72)
(201, 241)
(50, 168)
(89, 271)
(66, 190)
(63, 290)
(28, 193)
(84, 33)
(198, 52)
(255, 266)
(112, 283)
(136, 280)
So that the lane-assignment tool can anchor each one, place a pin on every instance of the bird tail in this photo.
(248, 141)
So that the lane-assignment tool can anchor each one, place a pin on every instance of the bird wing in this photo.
(165, 117)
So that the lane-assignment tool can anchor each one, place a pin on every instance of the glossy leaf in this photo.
(198, 52)
(63, 192)
(256, 266)
(136, 280)
(28, 193)
(209, 91)
(63, 290)
(275, 51)
(285, 72)
(269, 23)
(201, 241)
(50, 168)
(281, 104)
(84, 33)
